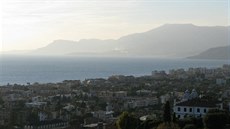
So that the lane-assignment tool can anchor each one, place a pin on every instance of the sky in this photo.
(31, 24)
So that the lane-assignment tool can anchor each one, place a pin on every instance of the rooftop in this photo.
(199, 103)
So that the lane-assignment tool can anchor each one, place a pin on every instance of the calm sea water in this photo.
(23, 69)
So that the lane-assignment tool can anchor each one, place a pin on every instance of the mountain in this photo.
(168, 40)
(222, 53)
(62, 47)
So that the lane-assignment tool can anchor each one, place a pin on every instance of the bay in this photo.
(45, 69)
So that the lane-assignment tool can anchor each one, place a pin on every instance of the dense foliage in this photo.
(216, 119)
(127, 121)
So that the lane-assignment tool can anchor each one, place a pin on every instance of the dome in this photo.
(194, 94)
(186, 95)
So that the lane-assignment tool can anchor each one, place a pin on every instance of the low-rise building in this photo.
(195, 107)
(48, 124)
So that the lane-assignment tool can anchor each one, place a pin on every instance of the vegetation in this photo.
(190, 126)
(197, 122)
(127, 121)
(216, 119)
(168, 126)
(167, 113)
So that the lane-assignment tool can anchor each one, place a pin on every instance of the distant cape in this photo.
(218, 53)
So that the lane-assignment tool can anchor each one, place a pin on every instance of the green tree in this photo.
(102, 105)
(33, 117)
(167, 112)
(190, 126)
(13, 118)
(127, 121)
(216, 119)
(174, 117)
(76, 121)
(168, 126)
(1, 101)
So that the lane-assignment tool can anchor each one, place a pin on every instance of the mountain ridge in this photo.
(169, 40)
(217, 53)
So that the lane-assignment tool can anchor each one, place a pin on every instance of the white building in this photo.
(220, 81)
(104, 115)
(195, 107)
(141, 102)
(192, 106)
(36, 104)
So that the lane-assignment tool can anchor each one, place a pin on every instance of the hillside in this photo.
(214, 53)
(168, 40)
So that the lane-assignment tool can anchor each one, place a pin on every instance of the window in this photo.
(190, 109)
(178, 116)
(178, 109)
(198, 110)
(205, 110)
(185, 109)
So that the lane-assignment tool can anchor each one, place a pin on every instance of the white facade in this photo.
(188, 111)
(103, 114)
(193, 106)
(141, 102)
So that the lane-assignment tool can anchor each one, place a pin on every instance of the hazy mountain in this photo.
(167, 40)
(61, 47)
(214, 53)
(16, 52)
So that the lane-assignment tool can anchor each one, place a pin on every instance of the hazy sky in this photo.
(30, 24)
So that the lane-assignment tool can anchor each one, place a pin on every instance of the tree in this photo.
(167, 126)
(1, 101)
(167, 112)
(33, 117)
(174, 117)
(102, 105)
(127, 121)
(76, 121)
(190, 126)
(216, 119)
(13, 118)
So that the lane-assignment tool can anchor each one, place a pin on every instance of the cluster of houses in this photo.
(221, 75)
(98, 102)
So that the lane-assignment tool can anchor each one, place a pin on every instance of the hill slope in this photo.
(167, 40)
(214, 53)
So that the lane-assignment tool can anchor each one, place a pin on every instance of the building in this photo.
(48, 124)
(98, 125)
(192, 106)
(140, 102)
(220, 81)
(104, 115)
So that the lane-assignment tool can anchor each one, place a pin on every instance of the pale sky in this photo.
(30, 24)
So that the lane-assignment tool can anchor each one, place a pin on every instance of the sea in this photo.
(52, 69)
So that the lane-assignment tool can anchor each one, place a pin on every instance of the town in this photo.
(121, 102)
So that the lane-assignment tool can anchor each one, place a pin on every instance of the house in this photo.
(140, 102)
(159, 74)
(192, 106)
(120, 94)
(220, 81)
(47, 124)
(98, 125)
(104, 115)
(36, 104)
(143, 92)
(4, 115)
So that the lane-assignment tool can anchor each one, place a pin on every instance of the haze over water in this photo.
(23, 69)
(35, 25)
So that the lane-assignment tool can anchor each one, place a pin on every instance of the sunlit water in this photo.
(23, 69)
